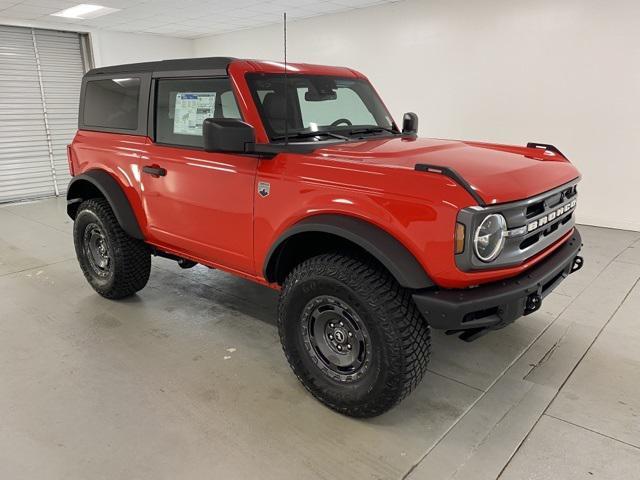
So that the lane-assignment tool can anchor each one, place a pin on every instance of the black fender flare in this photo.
(389, 251)
(84, 186)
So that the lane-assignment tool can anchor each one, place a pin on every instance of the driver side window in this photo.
(323, 113)
(183, 104)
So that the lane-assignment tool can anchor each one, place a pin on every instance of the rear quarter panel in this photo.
(117, 154)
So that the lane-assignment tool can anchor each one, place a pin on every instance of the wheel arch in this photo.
(321, 233)
(99, 183)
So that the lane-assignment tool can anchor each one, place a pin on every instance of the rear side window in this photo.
(183, 104)
(112, 103)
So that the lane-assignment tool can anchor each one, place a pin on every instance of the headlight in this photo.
(489, 237)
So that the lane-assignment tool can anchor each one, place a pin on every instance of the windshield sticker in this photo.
(191, 110)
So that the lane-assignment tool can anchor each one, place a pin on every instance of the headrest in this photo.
(273, 106)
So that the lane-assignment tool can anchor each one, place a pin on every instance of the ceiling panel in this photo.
(186, 19)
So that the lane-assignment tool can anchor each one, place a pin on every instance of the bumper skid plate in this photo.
(475, 311)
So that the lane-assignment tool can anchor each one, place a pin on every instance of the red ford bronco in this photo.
(299, 179)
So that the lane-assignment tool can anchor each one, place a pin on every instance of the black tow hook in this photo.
(577, 264)
(534, 301)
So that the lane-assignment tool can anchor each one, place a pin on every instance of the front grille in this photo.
(534, 224)
(551, 201)
(527, 242)
(535, 209)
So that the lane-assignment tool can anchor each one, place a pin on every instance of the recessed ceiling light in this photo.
(85, 11)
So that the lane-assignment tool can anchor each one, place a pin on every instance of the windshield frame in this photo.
(324, 133)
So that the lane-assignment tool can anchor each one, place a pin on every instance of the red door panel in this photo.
(203, 205)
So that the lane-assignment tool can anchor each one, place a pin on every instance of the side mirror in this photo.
(410, 123)
(230, 135)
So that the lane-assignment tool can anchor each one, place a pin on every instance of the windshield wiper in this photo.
(376, 129)
(311, 134)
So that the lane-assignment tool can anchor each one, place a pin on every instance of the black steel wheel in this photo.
(97, 250)
(351, 334)
(336, 337)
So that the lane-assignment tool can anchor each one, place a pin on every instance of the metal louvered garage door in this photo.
(40, 76)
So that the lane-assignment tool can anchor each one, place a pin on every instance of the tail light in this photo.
(70, 161)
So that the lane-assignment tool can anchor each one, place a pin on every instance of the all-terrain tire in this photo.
(395, 335)
(127, 261)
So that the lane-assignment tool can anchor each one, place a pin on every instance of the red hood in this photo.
(498, 173)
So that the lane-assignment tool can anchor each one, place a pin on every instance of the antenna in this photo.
(286, 92)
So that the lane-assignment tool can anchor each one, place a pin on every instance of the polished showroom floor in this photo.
(187, 380)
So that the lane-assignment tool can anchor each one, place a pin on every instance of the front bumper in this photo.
(475, 311)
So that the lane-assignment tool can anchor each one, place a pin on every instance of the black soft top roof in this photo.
(205, 63)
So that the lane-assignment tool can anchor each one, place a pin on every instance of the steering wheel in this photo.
(346, 121)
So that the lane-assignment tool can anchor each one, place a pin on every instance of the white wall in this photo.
(113, 48)
(565, 72)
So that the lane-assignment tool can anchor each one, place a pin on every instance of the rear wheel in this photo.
(115, 264)
(351, 334)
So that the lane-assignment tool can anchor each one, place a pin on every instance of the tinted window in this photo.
(112, 103)
(182, 106)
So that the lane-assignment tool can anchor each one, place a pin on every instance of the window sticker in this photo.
(191, 110)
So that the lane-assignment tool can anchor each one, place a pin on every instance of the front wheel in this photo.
(115, 264)
(351, 334)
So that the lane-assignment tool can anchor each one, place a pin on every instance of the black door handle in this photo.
(154, 170)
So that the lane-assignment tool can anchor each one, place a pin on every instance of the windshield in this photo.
(318, 107)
